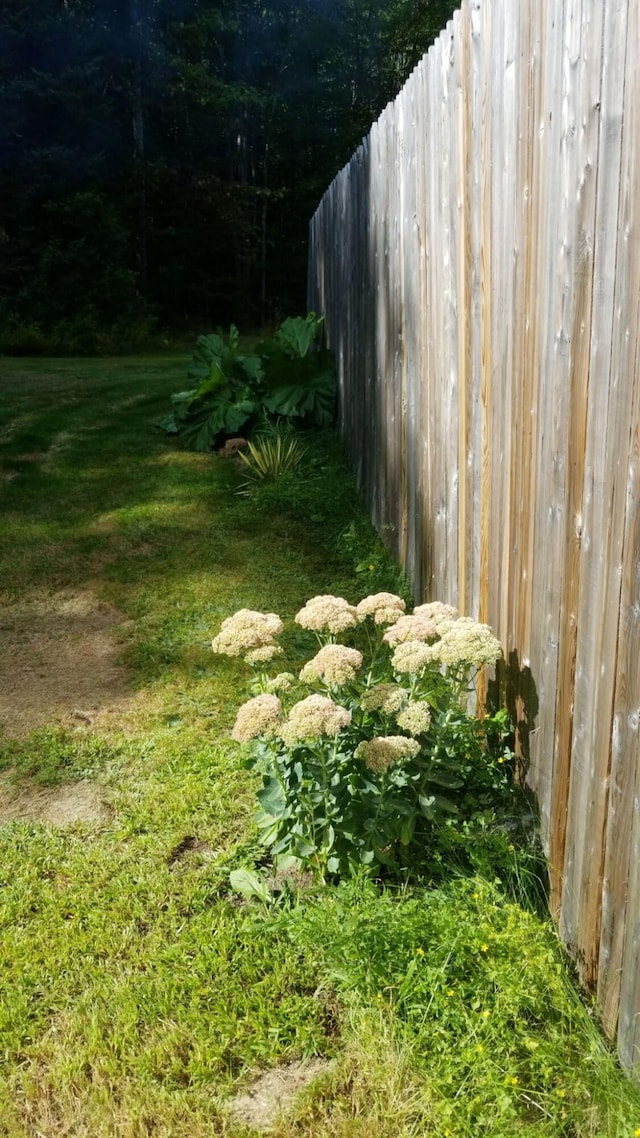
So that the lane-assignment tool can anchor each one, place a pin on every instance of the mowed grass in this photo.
(137, 993)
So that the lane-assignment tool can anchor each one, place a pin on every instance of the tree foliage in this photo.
(166, 155)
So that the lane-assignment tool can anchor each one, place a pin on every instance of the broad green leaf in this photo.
(249, 884)
(167, 423)
(271, 797)
(297, 334)
(445, 778)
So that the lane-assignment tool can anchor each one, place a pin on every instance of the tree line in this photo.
(160, 159)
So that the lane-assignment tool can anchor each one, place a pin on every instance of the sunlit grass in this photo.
(137, 991)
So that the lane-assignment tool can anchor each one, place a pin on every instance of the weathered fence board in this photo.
(478, 263)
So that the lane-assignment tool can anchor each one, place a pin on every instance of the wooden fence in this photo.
(478, 263)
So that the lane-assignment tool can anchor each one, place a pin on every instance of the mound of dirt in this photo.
(58, 657)
(57, 805)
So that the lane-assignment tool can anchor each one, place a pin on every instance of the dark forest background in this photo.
(160, 159)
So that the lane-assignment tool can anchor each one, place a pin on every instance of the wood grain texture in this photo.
(478, 263)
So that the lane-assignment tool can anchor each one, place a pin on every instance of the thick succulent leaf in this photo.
(271, 797)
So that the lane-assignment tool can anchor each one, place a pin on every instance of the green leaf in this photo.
(428, 806)
(296, 335)
(446, 804)
(313, 399)
(249, 884)
(167, 423)
(271, 797)
(445, 778)
(236, 415)
(406, 830)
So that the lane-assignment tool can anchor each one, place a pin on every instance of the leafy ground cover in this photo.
(139, 994)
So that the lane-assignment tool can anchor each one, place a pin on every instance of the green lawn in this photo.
(137, 993)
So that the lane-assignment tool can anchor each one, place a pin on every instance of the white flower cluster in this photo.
(264, 654)
(381, 752)
(385, 608)
(466, 641)
(261, 715)
(313, 717)
(413, 655)
(284, 681)
(249, 633)
(327, 614)
(383, 697)
(414, 627)
(335, 664)
(414, 718)
(436, 611)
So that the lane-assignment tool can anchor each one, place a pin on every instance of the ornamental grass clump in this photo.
(371, 755)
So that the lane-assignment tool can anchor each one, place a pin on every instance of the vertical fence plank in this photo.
(607, 416)
(620, 896)
(584, 35)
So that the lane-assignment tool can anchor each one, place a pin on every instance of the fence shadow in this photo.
(514, 688)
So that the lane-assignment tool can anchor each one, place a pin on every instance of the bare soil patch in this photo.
(274, 1092)
(58, 658)
(57, 805)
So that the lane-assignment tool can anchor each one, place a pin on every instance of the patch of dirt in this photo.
(274, 1093)
(191, 847)
(57, 805)
(58, 658)
(292, 876)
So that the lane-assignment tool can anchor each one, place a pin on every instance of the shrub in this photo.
(287, 376)
(372, 753)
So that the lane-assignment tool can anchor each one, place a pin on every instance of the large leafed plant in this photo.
(287, 376)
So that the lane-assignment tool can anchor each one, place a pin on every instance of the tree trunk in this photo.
(137, 125)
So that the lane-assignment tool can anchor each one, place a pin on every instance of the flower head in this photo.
(261, 715)
(437, 612)
(466, 641)
(246, 630)
(327, 614)
(385, 608)
(313, 717)
(412, 656)
(413, 627)
(379, 753)
(335, 664)
(264, 654)
(414, 718)
(383, 697)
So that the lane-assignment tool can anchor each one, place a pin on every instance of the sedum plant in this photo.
(372, 748)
